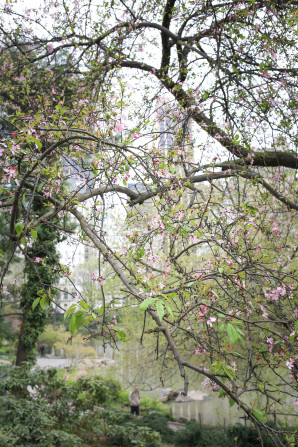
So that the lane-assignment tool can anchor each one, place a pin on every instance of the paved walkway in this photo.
(44, 362)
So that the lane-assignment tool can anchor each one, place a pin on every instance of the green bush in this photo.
(51, 414)
(236, 436)
(190, 436)
(131, 435)
(249, 437)
(5, 350)
(195, 436)
(116, 428)
(25, 422)
(158, 422)
(59, 413)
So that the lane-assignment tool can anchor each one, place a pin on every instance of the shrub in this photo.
(115, 428)
(158, 422)
(190, 436)
(51, 415)
(59, 413)
(195, 436)
(213, 437)
(28, 422)
(249, 436)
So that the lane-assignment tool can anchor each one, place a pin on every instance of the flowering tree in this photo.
(186, 114)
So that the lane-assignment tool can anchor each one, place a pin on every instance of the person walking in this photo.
(41, 348)
(134, 400)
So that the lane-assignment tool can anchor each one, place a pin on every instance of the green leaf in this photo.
(69, 310)
(234, 333)
(86, 320)
(214, 293)
(44, 302)
(36, 141)
(19, 227)
(220, 269)
(78, 320)
(140, 253)
(221, 393)
(258, 414)
(229, 371)
(231, 402)
(169, 309)
(160, 309)
(72, 322)
(172, 295)
(35, 302)
(84, 305)
(33, 233)
(100, 310)
(296, 325)
(121, 335)
(147, 302)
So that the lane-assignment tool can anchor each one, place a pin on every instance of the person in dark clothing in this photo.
(41, 348)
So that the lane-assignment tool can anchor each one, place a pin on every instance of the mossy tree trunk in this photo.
(40, 275)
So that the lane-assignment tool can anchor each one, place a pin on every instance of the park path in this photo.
(44, 362)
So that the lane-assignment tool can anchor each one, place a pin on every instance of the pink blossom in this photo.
(119, 127)
(5, 291)
(211, 321)
(201, 316)
(290, 363)
(37, 260)
(275, 229)
(234, 366)
(167, 269)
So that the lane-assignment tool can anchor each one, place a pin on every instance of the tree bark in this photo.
(22, 353)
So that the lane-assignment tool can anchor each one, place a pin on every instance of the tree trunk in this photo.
(21, 350)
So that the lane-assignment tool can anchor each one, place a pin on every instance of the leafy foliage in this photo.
(159, 423)
(237, 435)
(38, 274)
(249, 437)
(58, 413)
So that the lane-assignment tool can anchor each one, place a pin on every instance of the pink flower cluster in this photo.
(275, 229)
(94, 277)
(276, 293)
